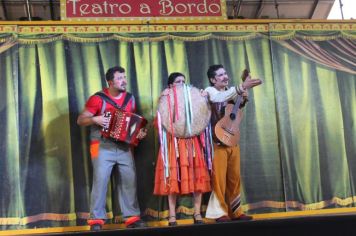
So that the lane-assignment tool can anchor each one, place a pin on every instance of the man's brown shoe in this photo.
(243, 217)
(223, 219)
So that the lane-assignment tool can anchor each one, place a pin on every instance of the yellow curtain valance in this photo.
(154, 37)
(33, 34)
(38, 39)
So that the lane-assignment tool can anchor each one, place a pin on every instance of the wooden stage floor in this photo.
(316, 223)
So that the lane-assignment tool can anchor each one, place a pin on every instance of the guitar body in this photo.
(227, 130)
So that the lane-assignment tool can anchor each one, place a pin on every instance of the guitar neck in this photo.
(236, 107)
(237, 104)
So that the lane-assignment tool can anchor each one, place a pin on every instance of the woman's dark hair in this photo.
(172, 77)
(110, 73)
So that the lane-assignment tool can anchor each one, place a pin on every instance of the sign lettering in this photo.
(138, 9)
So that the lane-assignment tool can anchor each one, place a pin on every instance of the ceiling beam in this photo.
(4, 9)
(341, 5)
(315, 5)
(276, 5)
(259, 9)
(51, 9)
(238, 8)
(28, 10)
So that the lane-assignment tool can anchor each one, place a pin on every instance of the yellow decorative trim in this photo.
(191, 39)
(318, 38)
(77, 39)
(312, 26)
(267, 204)
(184, 38)
(130, 39)
(348, 35)
(286, 36)
(224, 26)
(39, 217)
(209, 28)
(85, 215)
(235, 38)
(7, 39)
(143, 28)
(49, 216)
(351, 210)
(7, 43)
(8, 28)
(298, 205)
(264, 204)
(40, 40)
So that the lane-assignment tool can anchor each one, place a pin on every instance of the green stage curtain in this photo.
(316, 131)
(298, 133)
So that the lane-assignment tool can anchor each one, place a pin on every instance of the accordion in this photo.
(123, 126)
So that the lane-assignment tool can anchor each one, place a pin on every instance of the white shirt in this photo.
(221, 96)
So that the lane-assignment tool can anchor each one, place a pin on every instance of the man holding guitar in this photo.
(226, 104)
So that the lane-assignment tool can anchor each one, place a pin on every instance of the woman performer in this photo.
(188, 171)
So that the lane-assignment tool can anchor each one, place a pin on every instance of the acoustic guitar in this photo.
(227, 128)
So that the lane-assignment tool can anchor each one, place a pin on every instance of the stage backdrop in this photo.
(298, 144)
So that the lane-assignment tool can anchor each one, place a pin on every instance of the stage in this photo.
(297, 138)
(312, 225)
(330, 224)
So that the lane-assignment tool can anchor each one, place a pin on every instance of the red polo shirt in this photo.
(95, 103)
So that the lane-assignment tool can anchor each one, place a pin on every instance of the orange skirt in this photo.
(188, 173)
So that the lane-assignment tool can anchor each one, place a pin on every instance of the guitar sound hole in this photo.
(232, 116)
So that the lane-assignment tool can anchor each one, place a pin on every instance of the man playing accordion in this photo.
(106, 152)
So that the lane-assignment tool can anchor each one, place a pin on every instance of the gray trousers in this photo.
(111, 154)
